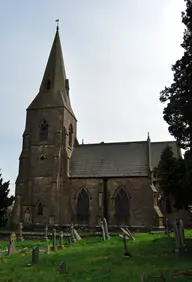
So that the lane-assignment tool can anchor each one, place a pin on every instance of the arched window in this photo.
(48, 84)
(83, 206)
(43, 133)
(40, 208)
(70, 135)
(122, 206)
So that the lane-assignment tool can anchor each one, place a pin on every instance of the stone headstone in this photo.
(46, 233)
(73, 239)
(76, 234)
(127, 233)
(61, 246)
(103, 231)
(47, 250)
(21, 232)
(11, 246)
(106, 228)
(35, 255)
(179, 235)
(54, 234)
(182, 233)
(126, 253)
(62, 267)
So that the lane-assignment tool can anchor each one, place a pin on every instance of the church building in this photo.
(61, 181)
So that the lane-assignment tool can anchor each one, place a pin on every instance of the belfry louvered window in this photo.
(43, 132)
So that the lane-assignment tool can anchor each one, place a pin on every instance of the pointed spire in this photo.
(148, 137)
(54, 76)
(54, 89)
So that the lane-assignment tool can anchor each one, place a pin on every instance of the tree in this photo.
(178, 97)
(170, 174)
(5, 200)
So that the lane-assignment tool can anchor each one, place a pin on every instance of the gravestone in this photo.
(47, 250)
(61, 246)
(11, 246)
(179, 235)
(35, 255)
(106, 228)
(54, 234)
(46, 233)
(127, 233)
(182, 232)
(126, 253)
(76, 234)
(103, 230)
(62, 267)
(21, 232)
(73, 239)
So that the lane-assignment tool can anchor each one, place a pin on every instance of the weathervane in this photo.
(57, 21)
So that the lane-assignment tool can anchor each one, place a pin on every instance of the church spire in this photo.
(54, 88)
(54, 76)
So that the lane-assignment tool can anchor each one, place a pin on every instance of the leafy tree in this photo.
(5, 200)
(170, 174)
(178, 97)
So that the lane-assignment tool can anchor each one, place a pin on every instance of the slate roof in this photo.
(115, 159)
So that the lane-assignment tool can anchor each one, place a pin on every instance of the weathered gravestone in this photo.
(35, 255)
(127, 233)
(106, 228)
(21, 232)
(76, 234)
(11, 246)
(103, 230)
(73, 239)
(62, 267)
(61, 246)
(54, 235)
(126, 253)
(47, 249)
(46, 233)
(179, 235)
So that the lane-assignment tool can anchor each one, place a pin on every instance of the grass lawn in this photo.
(94, 260)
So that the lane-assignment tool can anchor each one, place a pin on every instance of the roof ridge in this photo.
(110, 143)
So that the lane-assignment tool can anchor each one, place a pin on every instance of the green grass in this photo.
(94, 260)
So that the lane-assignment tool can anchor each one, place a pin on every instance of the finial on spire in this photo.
(148, 137)
(57, 21)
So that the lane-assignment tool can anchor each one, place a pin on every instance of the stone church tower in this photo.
(42, 185)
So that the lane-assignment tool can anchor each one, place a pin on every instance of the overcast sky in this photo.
(118, 56)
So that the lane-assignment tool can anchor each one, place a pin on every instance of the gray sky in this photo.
(118, 56)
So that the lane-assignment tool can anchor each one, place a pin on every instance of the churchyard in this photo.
(164, 256)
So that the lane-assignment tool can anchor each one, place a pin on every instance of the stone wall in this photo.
(138, 190)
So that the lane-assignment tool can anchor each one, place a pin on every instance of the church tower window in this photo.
(40, 208)
(70, 135)
(43, 134)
